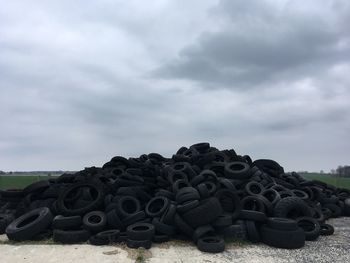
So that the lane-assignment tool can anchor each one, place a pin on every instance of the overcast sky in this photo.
(82, 81)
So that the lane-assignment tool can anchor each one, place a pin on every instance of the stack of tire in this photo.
(200, 194)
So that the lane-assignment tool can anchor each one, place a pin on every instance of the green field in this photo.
(341, 182)
(20, 181)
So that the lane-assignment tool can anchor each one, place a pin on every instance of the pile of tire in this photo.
(201, 194)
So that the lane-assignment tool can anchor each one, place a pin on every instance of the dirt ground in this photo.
(335, 248)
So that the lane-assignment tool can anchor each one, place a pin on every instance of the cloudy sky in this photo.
(82, 81)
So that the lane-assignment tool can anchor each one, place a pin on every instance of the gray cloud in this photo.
(260, 42)
(81, 82)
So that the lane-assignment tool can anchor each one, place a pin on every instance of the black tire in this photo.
(122, 237)
(200, 215)
(128, 205)
(39, 186)
(237, 231)
(301, 194)
(30, 224)
(70, 236)
(113, 220)
(211, 244)
(203, 190)
(292, 207)
(183, 226)
(202, 231)
(253, 203)
(187, 206)
(147, 244)
(96, 241)
(230, 202)
(326, 230)
(5, 220)
(162, 228)
(95, 221)
(347, 207)
(252, 231)
(111, 235)
(66, 222)
(134, 218)
(140, 231)
(282, 223)
(187, 194)
(254, 188)
(202, 147)
(157, 206)
(223, 220)
(310, 226)
(252, 216)
(92, 205)
(169, 215)
(281, 238)
(237, 170)
(179, 184)
(336, 210)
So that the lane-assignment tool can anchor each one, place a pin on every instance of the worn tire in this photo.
(281, 238)
(199, 215)
(211, 244)
(70, 236)
(30, 224)
(292, 207)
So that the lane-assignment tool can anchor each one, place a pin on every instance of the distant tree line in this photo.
(343, 171)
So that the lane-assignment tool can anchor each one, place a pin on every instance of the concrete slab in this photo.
(335, 248)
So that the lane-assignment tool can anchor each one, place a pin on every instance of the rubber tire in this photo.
(282, 223)
(93, 205)
(223, 220)
(183, 226)
(202, 231)
(187, 206)
(113, 220)
(187, 194)
(162, 228)
(42, 221)
(252, 215)
(140, 231)
(147, 244)
(96, 241)
(211, 244)
(335, 209)
(71, 236)
(199, 215)
(121, 202)
(250, 187)
(288, 204)
(235, 206)
(66, 222)
(252, 231)
(310, 234)
(111, 235)
(39, 186)
(154, 209)
(95, 227)
(326, 230)
(240, 174)
(281, 238)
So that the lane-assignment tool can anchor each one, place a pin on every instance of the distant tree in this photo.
(321, 172)
(2, 172)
